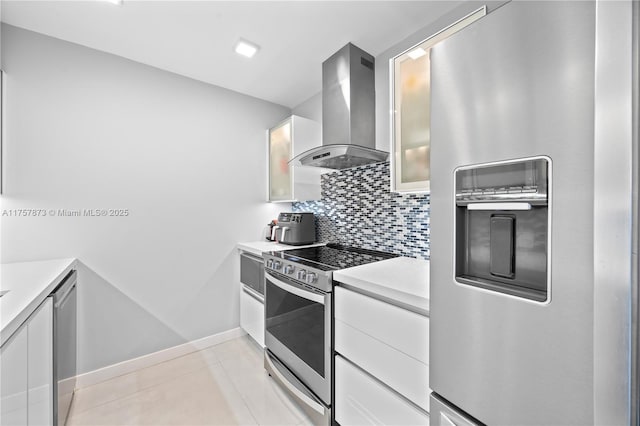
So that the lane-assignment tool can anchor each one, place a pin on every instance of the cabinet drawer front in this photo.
(361, 400)
(402, 329)
(404, 374)
(252, 317)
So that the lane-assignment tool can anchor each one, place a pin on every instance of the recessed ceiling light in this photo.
(417, 53)
(118, 2)
(246, 48)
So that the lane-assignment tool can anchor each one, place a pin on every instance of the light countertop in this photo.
(402, 281)
(258, 247)
(29, 283)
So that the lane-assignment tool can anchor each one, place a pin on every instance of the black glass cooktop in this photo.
(333, 256)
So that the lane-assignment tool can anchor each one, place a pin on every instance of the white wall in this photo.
(89, 130)
(311, 108)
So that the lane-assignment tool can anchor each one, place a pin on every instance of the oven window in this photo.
(298, 324)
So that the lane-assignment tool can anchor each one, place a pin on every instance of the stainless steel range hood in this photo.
(348, 113)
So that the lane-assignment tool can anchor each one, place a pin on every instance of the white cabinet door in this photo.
(280, 152)
(399, 328)
(400, 372)
(26, 371)
(252, 316)
(13, 379)
(390, 343)
(306, 180)
(362, 400)
(411, 143)
(287, 182)
(40, 365)
(411, 122)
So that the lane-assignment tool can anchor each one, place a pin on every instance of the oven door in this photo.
(298, 331)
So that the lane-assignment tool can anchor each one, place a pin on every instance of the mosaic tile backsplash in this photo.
(357, 209)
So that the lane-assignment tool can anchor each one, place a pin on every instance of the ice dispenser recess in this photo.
(502, 227)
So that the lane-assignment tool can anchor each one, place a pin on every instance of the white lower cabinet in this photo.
(26, 371)
(399, 328)
(252, 316)
(402, 373)
(40, 366)
(362, 400)
(383, 351)
(13, 378)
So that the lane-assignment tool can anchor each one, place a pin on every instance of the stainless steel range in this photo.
(298, 323)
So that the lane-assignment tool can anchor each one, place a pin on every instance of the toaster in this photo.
(296, 228)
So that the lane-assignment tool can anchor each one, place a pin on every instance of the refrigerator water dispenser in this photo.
(502, 227)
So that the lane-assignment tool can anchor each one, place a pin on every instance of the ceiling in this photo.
(196, 38)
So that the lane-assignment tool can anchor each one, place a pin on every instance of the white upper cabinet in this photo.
(286, 182)
(411, 113)
(411, 122)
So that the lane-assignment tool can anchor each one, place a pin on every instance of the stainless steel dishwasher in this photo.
(64, 347)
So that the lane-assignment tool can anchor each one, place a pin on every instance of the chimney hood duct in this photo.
(348, 113)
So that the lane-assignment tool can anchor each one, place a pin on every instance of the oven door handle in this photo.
(294, 289)
(291, 383)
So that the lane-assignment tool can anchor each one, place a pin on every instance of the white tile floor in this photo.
(225, 384)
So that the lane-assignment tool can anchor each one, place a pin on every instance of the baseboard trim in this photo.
(131, 365)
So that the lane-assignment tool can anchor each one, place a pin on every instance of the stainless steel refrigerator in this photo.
(534, 293)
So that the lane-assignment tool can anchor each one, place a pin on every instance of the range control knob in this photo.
(312, 277)
(277, 265)
(270, 263)
(302, 275)
(288, 269)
